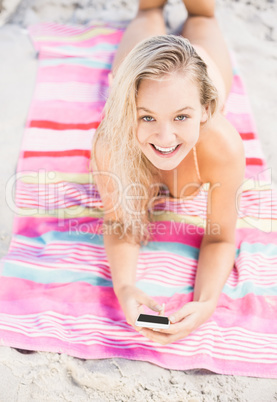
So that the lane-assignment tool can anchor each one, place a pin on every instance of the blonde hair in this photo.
(151, 58)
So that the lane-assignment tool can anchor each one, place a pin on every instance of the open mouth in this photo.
(170, 152)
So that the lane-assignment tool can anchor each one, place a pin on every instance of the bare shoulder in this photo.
(220, 149)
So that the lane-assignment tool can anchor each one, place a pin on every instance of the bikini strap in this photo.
(196, 163)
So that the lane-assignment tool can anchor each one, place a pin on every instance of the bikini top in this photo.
(198, 175)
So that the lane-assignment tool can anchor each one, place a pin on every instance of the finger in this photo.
(165, 336)
(158, 337)
(140, 311)
(162, 311)
(149, 302)
(183, 312)
(173, 329)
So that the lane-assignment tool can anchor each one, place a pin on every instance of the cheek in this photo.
(142, 133)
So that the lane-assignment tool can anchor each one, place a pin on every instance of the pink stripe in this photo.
(80, 293)
(34, 227)
(66, 112)
(251, 171)
(236, 86)
(84, 301)
(62, 164)
(170, 361)
(257, 349)
(254, 236)
(50, 28)
(68, 72)
(242, 122)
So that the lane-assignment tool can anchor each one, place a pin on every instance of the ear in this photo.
(205, 114)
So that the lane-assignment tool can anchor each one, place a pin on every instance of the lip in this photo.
(166, 155)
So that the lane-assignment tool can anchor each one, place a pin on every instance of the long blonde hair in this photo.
(151, 58)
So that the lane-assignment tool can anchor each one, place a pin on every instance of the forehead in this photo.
(170, 89)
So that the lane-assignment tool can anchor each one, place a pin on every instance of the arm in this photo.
(215, 264)
(122, 255)
(225, 165)
(217, 251)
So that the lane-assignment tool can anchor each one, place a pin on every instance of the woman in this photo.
(164, 119)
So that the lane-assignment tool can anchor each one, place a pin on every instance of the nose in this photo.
(165, 135)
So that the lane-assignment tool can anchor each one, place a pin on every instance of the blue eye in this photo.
(147, 117)
(183, 117)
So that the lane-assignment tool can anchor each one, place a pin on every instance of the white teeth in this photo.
(165, 149)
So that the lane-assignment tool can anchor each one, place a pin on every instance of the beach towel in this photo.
(56, 290)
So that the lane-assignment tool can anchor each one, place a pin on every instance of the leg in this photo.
(148, 22)
(205, 35)
(205, 8)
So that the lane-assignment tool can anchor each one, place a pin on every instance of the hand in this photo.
(131, 300)
(187, 319)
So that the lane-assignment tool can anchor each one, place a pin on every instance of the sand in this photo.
(250, 30)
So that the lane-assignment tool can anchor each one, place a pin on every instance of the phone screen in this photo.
(157, 319)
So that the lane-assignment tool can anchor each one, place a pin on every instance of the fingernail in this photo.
(159, 308)
(172, 318)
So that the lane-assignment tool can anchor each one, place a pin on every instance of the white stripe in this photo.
(42, 258)
(253, 149)
(88, 52)
(71, 92)
(230, 343)
(37, 139)
(238, 103)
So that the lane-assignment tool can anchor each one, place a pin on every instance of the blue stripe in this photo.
(95, 239)
(172, 247)
(76, 60)
(269, 249)
(107, 47)
(48, 276)
(155, 289)
(240, 291)
(55, 236)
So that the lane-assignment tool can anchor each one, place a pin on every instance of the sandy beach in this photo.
(251, 33)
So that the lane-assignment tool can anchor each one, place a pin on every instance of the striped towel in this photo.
(56, 291)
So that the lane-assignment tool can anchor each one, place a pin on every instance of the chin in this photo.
(169, 167)
(165, 164)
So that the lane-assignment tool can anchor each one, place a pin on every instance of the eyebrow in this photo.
(177, 111)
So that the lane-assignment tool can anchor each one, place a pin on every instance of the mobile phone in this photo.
(152, 321)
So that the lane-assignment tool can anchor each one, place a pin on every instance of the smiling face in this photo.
(169, 114)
